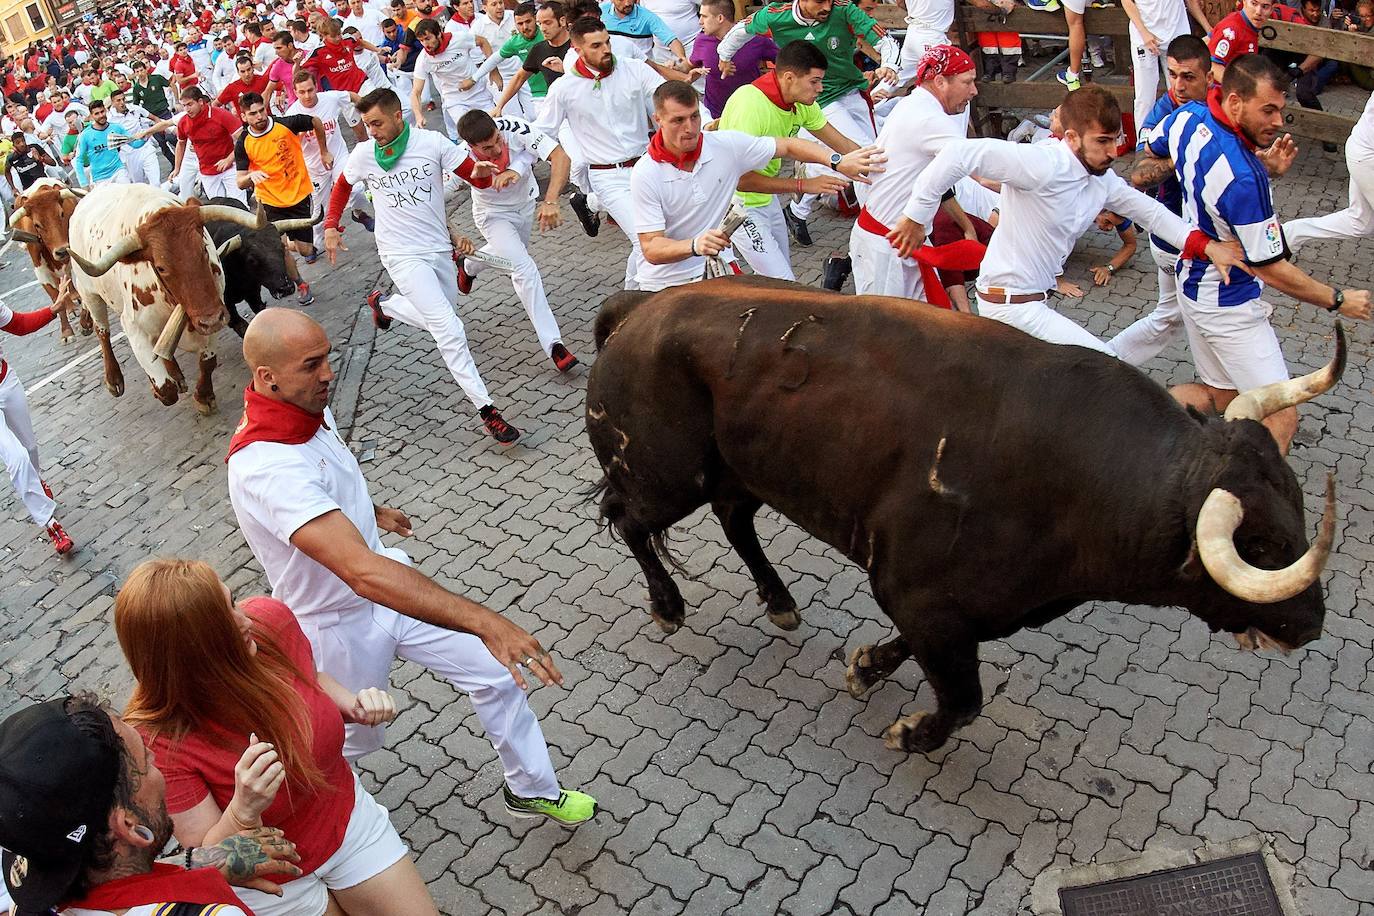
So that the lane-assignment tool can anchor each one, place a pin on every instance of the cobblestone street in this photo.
(734, 771)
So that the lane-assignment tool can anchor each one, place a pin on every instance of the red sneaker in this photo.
(497, 426)
(562, 358)
(464, 278)
(46, 489)
(61, 542)
(374, 302)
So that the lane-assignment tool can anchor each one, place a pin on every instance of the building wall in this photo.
(24, 21)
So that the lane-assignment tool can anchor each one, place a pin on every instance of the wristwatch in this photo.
(835, 159)
(1337, 301)
(1111, 268)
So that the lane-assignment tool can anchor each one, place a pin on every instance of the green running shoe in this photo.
(571, 808)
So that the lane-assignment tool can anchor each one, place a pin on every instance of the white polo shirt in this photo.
(496, 34)
(369, 24)
(1166, 20)
(526, 144)
(276, 489)
(930, 15)
(683, 204)
(609, 117)
(408, 199)
(329, 107)
(451, 67)
(1048, 200)
(913, 135)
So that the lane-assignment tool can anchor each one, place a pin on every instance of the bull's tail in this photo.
(614, 311)
(612, 511)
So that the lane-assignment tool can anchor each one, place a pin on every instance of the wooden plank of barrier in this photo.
(1038, 96)
(1104, 21)
(1353, 47)
(1316, 125)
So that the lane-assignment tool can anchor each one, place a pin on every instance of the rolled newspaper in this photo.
(716, 266)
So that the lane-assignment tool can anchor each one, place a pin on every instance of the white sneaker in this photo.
(1095, 55)
(1022, 132)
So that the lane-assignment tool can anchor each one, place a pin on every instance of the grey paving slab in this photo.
(735, 773)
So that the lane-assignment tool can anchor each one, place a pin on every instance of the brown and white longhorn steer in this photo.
(41, 221)
(141, 251)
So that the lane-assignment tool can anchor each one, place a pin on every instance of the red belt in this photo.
(868, 224)
(614, 165)
(4, 369)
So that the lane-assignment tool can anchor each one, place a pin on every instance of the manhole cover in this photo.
(1236, 886)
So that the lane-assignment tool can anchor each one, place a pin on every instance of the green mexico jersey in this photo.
(835, 37)
(517, 46)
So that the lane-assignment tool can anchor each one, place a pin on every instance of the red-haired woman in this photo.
(246, 732)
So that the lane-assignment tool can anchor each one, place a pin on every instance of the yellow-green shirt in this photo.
(751, 111)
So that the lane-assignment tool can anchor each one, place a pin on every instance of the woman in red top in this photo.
(246, 732)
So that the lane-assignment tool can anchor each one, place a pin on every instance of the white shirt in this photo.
(56, 121)
(223, 72)
(930, 15)
(679, 15)
(451, 67)
(276, 489)
(913, 135)
(1166, 20)
(312, 41)
(329, 107)
(683, 205)
(263, 55)
(369, 23)
(526, 145)
(610, 117)
(496, 34)
(1048, 200)
(408, 199)
(1362, 135)
(372, 65)
(6, 316)
(163, 68)
(132, 119)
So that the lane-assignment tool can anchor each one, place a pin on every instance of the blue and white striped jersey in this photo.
(1225, 194)
(1168, 192)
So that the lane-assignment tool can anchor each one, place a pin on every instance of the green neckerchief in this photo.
(389, 155)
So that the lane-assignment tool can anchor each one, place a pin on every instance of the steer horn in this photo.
(228, 214)
(19, 235)
(125, 247)
(229, 247)
(1216, 527)
(1266, 400)
(75, 193)
(288, 225)
(17, 215)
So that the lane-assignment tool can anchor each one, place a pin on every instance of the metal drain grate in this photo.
(1236, 886)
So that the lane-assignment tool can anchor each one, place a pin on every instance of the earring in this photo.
(274, 388)
(143, 833)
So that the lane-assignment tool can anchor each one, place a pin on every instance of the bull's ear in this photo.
(193, 201)
(1190, 570)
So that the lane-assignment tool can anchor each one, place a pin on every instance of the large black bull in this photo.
(253, 260)
(987, 481)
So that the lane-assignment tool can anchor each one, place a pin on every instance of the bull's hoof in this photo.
(86, 323)
(785, 620)
(167, 394)
(68, 337)
(116, 387)
(915, 732)
(858, 676)
(667, 626)
(205, 408)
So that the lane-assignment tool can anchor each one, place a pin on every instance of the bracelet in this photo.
(189, 850)
(238, 823)
(799, 186)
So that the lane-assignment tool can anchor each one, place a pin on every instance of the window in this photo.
(35, 17)
(15, 25)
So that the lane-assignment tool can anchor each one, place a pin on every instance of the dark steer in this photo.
(253, 260)
(987, 481)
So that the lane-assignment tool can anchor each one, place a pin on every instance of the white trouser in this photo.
(1039, 320)
(323, 185)
(508, 233)
(1355, 221)
(358, 652)
(225, 184)
(142, 163)
(763, 242)
(522, 105)
(426, 296)
(402, 83)
(917, 40)
(850, 115)
(1148, 336)
(1146, 68)
(612, 190)
(19, 450)
(580, 175)
(1234, 348)
(877, 269)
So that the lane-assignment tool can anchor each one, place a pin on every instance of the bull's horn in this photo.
(75, 193)
(230, 246)
(287, 225)
(1216, 527)
(229, 214)
(17, 215)
(19, 235)
(1258, 403)
(127, 246)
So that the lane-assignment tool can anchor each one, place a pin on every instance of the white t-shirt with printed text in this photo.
(409, 197)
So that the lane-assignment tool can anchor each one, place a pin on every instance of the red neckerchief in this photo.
(443, 45)
(458, 17)
(659, 152)
(586, 70)
(266, 420)
(165, 883)
(768, 85)
(1214, 106)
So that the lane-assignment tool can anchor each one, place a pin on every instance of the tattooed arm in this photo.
(1149, 170)
(249, 859)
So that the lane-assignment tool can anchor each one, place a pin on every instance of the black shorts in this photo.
(302, 210)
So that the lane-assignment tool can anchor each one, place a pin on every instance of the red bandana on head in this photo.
(942, 60)
(266, 420)
(659, 152)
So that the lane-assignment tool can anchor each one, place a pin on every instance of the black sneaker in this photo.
(561, 357)
(797, 227)
(374, 302)
(500, 430)
(591, 222)
(1329, 147)
(836, 270)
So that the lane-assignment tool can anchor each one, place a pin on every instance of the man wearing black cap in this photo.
(83, 815)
